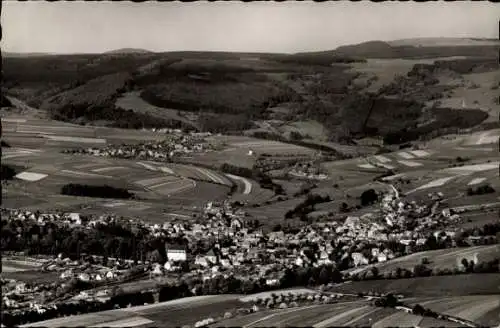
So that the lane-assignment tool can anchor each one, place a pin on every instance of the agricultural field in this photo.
(166, 314)
(348, 314)
(133, 101)
(46, 170)
(438, 259)
(456, 285)
(484, 310)
(475, 90)
(376, 73)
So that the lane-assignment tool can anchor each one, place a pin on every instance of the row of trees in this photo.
(115, 117)
(111, 240)
(75, 189)
(480, 190)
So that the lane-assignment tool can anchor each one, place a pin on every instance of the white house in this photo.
(110, 275)
(168, 266)
(381, 257)
(272, 282)
(359, 259)
(157, 270)
(84, 276)
(176, 255)
(66, 274)
(75, 218)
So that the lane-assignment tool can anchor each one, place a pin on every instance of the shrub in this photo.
(480, 190)
(8, 172)
(368, 197)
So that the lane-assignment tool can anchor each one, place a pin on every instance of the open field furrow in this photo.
(341, 318)
(399, 319)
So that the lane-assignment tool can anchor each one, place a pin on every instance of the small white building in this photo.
(201, 260)
(110, 275)
(157, 270)
(359, 259)
(176, 255)
(382, 257)
(84, 276)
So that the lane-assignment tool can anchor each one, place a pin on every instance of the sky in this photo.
(94, 27)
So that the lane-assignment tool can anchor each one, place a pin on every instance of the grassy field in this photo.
(457, 285)
(133, 101)
(376, 73)
(348, 314)
(167, 314)
(479, 309)
(31, 276)
(477, 90)
(439, 259)
(45, 158)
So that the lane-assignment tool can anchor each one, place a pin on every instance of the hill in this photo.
(234, 92)
(129, 51)
(419, 48)
(6, 54)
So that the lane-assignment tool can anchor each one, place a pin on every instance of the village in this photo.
(174, 144)
(222, 243)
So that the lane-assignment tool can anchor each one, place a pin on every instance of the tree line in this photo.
(81, 190)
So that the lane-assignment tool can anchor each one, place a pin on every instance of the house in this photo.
(84, 276)
(381, 257)
(66, 274)
(75, 218)
(201, 260)
(21, 288)
(211, 257)
(225, 263)
(176, 254)
(236, 224)
(375, 252)
(272, 282)
(359, 259)
(323, 258)
(170, 267)
(157, 270)
(110, 275)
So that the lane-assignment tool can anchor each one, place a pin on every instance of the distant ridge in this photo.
(25, 54)
(129, 51)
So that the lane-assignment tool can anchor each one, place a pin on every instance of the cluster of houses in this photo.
(172, 145)
(307, 170)
(360, 240)
(84, 271)
(235, 249)
(19, 295)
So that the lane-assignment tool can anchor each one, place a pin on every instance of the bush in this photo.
(480, 190)
(8, 172)
(369, 197)
(294, 135)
